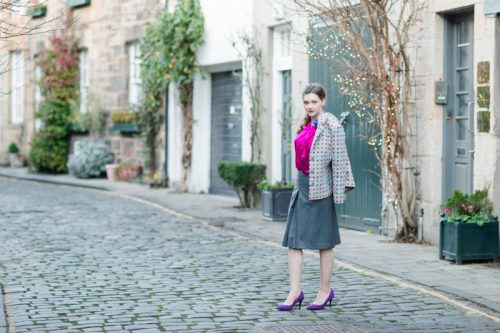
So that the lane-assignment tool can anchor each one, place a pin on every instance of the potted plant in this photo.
(468, 231)
(13, 155)
(124, 122)
(127, 171)
(275, 199)
(243, 177)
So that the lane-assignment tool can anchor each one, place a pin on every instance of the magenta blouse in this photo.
(303, 143)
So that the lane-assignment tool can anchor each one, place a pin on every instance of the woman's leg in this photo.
(326, 259)
(295, 260)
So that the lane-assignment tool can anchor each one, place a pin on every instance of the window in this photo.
(83, 57)
(18, 6)
(17, 87)
(285, 43)
(38, 93)
(134, 74)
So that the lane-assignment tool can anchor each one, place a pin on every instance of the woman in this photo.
(324, 177)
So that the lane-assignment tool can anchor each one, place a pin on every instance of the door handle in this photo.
(470, 112)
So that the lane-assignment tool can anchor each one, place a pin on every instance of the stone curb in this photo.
(39, 179)
(3, 322)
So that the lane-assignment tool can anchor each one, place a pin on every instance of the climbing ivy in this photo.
(59, 67)
(168, 54)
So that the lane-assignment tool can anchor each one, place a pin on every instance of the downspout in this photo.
(165, 165)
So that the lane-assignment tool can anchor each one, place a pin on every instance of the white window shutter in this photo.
(17, 87)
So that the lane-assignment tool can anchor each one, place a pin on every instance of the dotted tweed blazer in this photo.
(329, 166)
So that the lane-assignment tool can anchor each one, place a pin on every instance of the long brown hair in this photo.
(318, 90)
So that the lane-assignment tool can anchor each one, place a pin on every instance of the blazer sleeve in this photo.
(343, 179)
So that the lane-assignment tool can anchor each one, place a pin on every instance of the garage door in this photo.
(226, 126)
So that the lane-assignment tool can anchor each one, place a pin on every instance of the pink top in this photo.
(303, 143)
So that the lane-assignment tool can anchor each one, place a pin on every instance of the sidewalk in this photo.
(417, 264)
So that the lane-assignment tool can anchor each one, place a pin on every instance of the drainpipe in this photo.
(165, 165)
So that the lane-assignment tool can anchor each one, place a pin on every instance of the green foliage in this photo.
(168, 53)
(465, 208)
(59, 66)
(13, 148)
(265, 185)
(93, 121)
(50, 146)
(243, 177)
(123, 117)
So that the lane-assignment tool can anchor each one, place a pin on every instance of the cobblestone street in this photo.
(76, 260)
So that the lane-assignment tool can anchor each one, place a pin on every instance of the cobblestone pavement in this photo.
(76, 260)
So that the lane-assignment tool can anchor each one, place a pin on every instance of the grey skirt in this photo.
(311, 224)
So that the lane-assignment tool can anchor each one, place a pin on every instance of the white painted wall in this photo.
(429, 68)
(282, 61)
(199, 176)
(224, 20)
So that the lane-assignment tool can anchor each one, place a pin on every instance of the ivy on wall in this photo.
(59, 67)
(168, 54)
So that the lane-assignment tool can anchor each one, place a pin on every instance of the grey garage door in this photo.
(226, 126)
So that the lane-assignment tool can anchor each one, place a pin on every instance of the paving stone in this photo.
(86, 261)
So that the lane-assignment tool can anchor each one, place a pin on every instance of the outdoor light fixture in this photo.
(491, 8)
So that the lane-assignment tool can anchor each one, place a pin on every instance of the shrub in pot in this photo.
(243, 177)
(16, 159)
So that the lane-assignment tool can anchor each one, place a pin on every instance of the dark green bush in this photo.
(58, 85)
(13, 148)
(50, 147)
(243, 177)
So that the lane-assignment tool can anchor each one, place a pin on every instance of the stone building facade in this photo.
(455, 145)
(107, 32)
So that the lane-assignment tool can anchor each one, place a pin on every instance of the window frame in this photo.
(84, 84)
(17, 87)
(134, 74)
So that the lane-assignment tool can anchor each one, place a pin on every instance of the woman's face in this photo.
(313, 105)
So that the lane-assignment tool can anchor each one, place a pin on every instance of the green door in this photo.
(362, 208)
(458, 141)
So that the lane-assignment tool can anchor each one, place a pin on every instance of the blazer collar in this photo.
(322, 119)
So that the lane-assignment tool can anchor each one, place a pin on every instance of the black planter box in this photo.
(468, 241)
(77, 3)
(37, 12)
(125, 128)
(275, 204)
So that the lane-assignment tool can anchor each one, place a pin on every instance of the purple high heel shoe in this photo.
(322, 306)
(299, 299)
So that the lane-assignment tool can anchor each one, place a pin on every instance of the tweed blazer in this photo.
(329, 167)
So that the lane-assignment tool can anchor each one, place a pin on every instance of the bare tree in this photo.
(16, 23)
(368, 41)
(252, 77)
